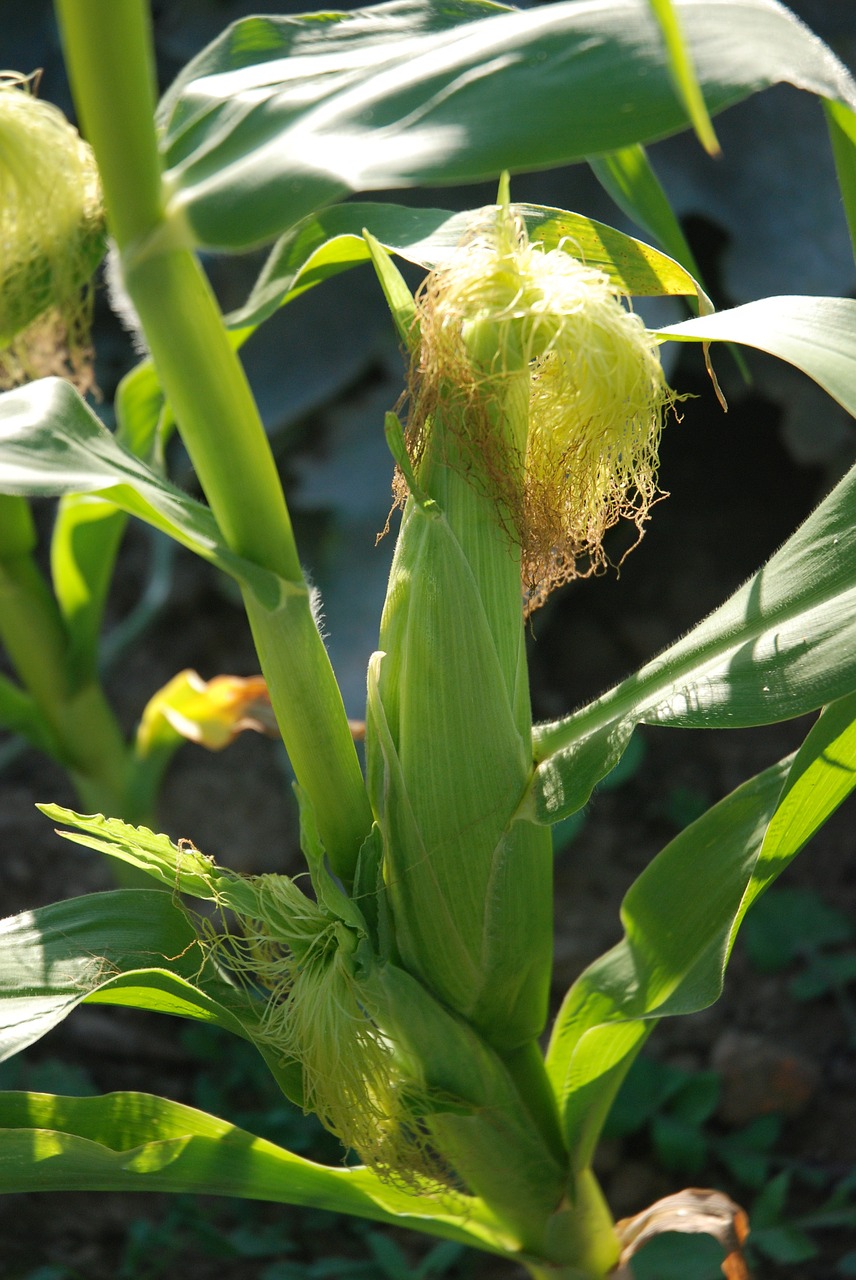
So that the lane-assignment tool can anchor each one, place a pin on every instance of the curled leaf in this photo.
(210, 713)
(694, 1211)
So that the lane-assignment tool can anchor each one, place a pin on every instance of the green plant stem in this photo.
(108, 54)
(581, 1242)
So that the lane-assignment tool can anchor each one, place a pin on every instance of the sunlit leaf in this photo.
(823, 775)
(816, 335)
(135, 948)
(281, 116)
(678, 918)
(177, 867)
(682, 915)
(136, 1142)
(684, 74)
(842, 131)
(329, 242)
(629, 179)
(52, 444)
(55, 957)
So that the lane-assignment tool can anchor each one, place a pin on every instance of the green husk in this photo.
(535, 407)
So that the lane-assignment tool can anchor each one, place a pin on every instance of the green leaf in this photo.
(627, 176)
(769, 1206)
(823, 775)
(399, 299)
(52, 444)
(678, 919)
(182, 869)
(696, 1101)
(785, 1245)
(680, 1147)
(682, 915)
(784, 644)
(789, 921)
(824, 974)
(85, 541)
(140, 411)
(646, 1090)
(815, 335)
(326, 243)
(55, 957)
(684, 74)
(676, 1257)
(137, 1142)
(281, 116)
(133, 947)
(841, 123)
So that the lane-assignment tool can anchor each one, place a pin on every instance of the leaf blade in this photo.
(283, 116)
(684, 74)
(813, 334)
(682, 915)
(51, 444)
(328, 242)
(51, 1143)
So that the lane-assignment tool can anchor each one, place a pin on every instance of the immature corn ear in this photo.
(52, 233)
(448, 727)
(399, 1079)
(535, 410)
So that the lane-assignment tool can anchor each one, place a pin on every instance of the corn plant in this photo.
(404, 998)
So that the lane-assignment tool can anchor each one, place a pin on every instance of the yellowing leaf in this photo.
(211, 713)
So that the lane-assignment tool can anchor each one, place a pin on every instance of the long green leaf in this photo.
(136, 1142)
(816, 335)
(131, 947)
(684, 74)
(180, 869)
(329, 242)
(682, 915)
(841, 123)
(52, 444)
(627, 176)
(85, 542)
(822, 776)
(55, 957)
(677, 919)
(784, 644)
(281, 116)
